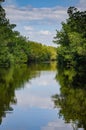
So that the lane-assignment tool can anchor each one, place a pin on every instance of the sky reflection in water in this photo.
(35, 108)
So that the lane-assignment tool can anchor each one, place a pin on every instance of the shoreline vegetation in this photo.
(72, 40)
(71, 53)
(17, 49)
(71, 63)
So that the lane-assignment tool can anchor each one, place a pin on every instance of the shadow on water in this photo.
(72, 97)
(14, 78)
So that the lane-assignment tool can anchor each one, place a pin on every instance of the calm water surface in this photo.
(26, 99)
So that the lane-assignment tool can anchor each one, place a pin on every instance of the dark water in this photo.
(30, 99)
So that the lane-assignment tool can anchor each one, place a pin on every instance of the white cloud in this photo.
(20, 14)
(83, 3)
(27, 13)
(45, 32)
(28, 28)
(41, 36)
(39, 24)
(57, 125)
(29, 20)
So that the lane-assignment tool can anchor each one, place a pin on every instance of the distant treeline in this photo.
(15, 49)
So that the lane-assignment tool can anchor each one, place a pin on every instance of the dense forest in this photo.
(15, 49)
(72, 39)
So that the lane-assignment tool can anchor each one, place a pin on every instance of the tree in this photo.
(6, 35)
(71, 11)
(72, 39)
(2, 0)
(15, 48)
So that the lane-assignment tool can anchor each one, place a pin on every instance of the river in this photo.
(26, 99)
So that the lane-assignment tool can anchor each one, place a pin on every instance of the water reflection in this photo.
(72, 99)
(34, 93)
(20, 77)
(26, 92)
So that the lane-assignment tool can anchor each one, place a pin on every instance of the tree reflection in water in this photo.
(14, 78)
(72, 98)
(10, 80)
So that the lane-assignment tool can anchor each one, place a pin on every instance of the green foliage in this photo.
(72, 39)
(6, 35)
(15, 49)
(72, 97)
(38, 52)
(72, 69)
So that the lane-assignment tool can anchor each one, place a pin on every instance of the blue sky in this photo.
(38, 19)
(47, 3)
